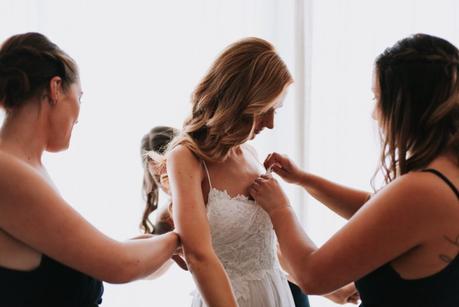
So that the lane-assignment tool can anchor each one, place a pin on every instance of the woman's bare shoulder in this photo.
(182, 159)
(16, 172)
(423, 194)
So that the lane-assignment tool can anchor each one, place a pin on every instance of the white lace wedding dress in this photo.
(244, 241)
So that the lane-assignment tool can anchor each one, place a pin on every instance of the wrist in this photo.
(279, 210)
(303, 179)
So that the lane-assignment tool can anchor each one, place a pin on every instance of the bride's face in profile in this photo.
(266, 120)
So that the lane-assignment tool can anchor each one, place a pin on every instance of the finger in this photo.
(354, 301)
(180, 262)
(354, 298)
(265, 177)
(280, 171)
(266, 162)
(261, 181)
(254, 187)
(271, 159)
(253, 192)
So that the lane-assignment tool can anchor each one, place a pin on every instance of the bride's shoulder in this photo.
(183, 157)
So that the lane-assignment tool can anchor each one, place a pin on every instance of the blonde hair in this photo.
(241, 84)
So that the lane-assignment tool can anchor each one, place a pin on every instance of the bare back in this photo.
(436, 252)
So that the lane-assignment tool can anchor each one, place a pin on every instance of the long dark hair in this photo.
(156, 142)
(418, 104)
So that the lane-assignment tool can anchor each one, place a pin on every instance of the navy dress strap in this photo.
(444, 178)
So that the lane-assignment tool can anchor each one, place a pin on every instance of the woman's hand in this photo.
(178, 254)
(179, 258)
(347, 294)
(268, 194)
(284, 167)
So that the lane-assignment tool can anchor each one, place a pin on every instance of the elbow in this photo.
(123, 269)
(309, 287)
(198, 259)
(122, 274)
(313, 283)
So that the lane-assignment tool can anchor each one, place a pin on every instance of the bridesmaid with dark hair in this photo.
(401, 243)
(49, 254)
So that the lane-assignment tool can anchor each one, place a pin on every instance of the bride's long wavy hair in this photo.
(419, 103)
(241, 84)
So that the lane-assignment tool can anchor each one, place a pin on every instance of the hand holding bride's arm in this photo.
(185, 177)
(345, 295)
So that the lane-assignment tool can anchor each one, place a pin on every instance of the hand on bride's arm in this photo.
(177, 257)
(345, 295)
(268, 194)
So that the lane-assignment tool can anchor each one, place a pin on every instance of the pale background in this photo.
(140, 61)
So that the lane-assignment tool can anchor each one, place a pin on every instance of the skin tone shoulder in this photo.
(36, 220)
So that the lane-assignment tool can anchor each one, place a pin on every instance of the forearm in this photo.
(294, 244)
(342, 200)
(285, 266)
(212, 281)
(160, 272)
(145, 256)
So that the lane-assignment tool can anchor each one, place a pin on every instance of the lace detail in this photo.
(243, 239)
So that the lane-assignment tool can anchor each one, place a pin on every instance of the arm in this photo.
(190, 218)
(365, 243)
(346, 294)
(340, 199)
(166, 265)
(161, 271)
(31, 211)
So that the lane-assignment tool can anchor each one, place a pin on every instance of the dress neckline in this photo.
(238, 197)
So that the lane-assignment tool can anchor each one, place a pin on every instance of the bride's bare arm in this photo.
(185, 177)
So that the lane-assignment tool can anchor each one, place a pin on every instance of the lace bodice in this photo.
(242, 234)
(243, 238)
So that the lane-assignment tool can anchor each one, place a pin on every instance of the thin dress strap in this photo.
(444, 178)
(207, 172)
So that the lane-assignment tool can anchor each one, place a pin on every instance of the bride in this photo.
(210, 170)
(228, 240)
